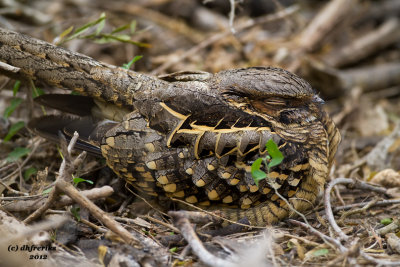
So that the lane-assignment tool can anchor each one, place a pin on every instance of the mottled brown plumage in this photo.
(197, 138)
(193, 135)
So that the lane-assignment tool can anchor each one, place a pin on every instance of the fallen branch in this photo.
(387, 34)
(320, 27)
(324, 22)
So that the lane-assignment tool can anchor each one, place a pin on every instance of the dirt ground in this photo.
(348, 50)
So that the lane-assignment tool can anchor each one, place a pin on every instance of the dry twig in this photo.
(390, 228)
(182, 222)
(377, 204)
(28, 205)
(360, 210)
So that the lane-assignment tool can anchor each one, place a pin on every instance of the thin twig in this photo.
(329, 240)
(35, 146)
(13, 191)
(197, 246)
(288, 204)
(379, 262)
(215, 214)
(377, 204)
(351, 212)
(144, 200)
(95, 227)
(232, 16)
(328, 207)
(28, 204)
(304, 240)
(173, 228)
(393, 227)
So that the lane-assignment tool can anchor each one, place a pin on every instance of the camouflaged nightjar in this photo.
(189, 135)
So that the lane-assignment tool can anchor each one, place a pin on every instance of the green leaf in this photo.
(66, 32)
(17, 153)
(274, 162)
(106, 38)
(100, 27)
(86, 27)
(386, 221)
(256, 173)
(256, 165)
(15, 102)
(60, 152)
(92, 23)
(29, 172)
(130, 63)
(120, 29)
(13, 130)
(274, 152)
(37, 92)
(75, 212)
(78, 180)
(320, 252)
(16, 87)
(47, 191)
(173, 249)
(75, 93)
(133, 26)
(120, 37)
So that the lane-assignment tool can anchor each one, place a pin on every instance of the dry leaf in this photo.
(388, 178)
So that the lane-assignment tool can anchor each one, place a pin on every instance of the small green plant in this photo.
(94, 31)
(273, 158)
(15, 101)
(14, 129)
(47, 191)
(14, 104)
(77, 180)
(386, 221)
(17, 153)
(29, 172)
(128, 65)
(76, 213)
(320, 252)
(173, 249)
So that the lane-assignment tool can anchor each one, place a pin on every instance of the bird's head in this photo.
(271, 93)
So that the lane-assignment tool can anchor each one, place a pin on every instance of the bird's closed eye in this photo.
(275, 101)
